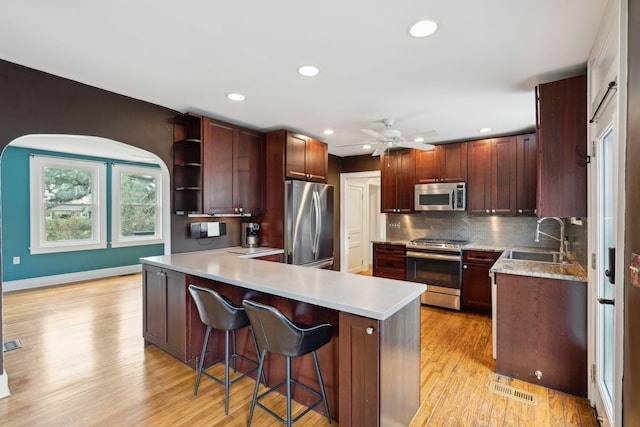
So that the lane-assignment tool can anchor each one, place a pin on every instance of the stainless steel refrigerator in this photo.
(308, 220)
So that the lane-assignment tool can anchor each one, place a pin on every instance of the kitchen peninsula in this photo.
(371, 366)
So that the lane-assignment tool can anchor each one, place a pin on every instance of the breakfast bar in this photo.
(371, 366)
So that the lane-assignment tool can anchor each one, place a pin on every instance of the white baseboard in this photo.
(40, 282)
(4, 385)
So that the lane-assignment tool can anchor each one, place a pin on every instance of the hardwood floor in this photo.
(83, 363)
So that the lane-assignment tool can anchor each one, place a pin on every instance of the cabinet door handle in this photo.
(465, 267)
(369, 330)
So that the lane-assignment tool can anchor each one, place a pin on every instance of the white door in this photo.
(606, 279)
(355, 230)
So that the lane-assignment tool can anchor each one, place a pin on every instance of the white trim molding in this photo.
(4, 385)
(59, 279)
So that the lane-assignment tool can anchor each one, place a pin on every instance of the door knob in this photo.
(369, 330)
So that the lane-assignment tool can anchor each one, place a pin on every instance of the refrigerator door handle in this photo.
(318, 223)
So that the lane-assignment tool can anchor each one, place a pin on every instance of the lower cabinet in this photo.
(390, 261)
(476, 283)
(164, 310)
(380, 368)
(542, 331)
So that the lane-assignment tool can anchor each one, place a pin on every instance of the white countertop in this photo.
(367, 296)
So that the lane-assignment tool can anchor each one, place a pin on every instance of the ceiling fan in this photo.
(389, 138)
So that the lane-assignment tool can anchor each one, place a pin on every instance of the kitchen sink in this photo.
(552, 257)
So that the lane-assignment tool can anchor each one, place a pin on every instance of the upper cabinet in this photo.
(397, 177)
(561, 130)
(218, 167)
(492, 176)
(445, 163)
(306, 158)
(527, 173)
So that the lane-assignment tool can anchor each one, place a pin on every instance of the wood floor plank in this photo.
(83, 363)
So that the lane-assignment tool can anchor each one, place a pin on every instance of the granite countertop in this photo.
(372, 297)
(570, 271)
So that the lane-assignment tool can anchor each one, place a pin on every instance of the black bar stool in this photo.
(217, 312)
(275, 333)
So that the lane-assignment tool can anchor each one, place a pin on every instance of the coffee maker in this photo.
(250, 234)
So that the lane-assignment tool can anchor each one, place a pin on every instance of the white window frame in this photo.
(38, 243)
(117, 240)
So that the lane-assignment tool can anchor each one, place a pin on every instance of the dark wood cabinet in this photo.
(561, 130)
(527, 174)
(542, 331)
(233, 169)
(378, 364)
(445, 163)
(476, 283)
(492, 176)
(164, 310)
(218, 167)
(390, 261)
(397, 177)
(287, 152)
(306, 158)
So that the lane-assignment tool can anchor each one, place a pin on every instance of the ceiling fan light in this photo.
(418, 139)
(423, 28)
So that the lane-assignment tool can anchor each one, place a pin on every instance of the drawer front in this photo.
(480, 257)
(399, 250)
(391, 263)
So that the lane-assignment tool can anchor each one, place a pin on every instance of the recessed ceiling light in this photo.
(418, 139)
(423, 28)
(328, 132)
(484, 130)
(366, 146)
(308, 71)
(236, 96)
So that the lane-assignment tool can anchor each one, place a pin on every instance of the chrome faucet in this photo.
(561, 239)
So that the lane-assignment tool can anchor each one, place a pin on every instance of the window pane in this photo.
(138, 221)
(138, 214)
(68, 186)
(68, 204)
(137, 189)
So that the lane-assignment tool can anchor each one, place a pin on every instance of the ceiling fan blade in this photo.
(372, 133)
(352, 145)
(379, 150)
(417, 145)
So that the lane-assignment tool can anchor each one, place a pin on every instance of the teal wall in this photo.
(14, 185)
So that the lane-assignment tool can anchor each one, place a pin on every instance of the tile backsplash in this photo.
(486, 230)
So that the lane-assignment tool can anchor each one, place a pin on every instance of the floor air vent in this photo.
(11, 345)
(513, 393)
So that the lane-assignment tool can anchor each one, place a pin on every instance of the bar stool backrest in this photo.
(277, 334)
(216, 310)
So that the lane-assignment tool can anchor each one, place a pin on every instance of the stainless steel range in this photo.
(437, 264)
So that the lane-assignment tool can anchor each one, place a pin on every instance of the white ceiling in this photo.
(478, 70)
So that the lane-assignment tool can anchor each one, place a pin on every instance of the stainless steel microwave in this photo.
(449, 196)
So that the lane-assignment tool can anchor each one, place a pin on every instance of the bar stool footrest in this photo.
(283, 383)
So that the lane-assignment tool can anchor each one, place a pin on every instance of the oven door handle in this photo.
(426, 255)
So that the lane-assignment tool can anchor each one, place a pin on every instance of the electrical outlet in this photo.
(394, 224)
(16, 260)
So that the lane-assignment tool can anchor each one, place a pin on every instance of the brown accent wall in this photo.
(363, 163)
(631, 375)
(334, 179)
